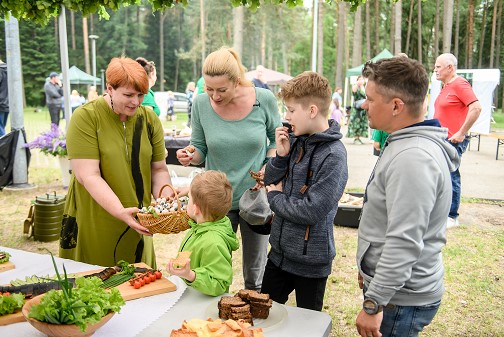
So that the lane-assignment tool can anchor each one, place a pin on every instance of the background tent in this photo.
(77, 76)
(356, 71)
(484, 82)
(271, 77)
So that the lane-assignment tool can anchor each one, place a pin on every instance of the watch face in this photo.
(370, 306)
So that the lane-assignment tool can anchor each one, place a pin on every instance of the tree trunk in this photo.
(238, 29)
(357, 38)
(320, 39)
(85, 39)
(397, 28)
(470, 34)
(341, 44)
(492, 39)
(499, 38)
(419, 31)
(482, 35)
(447, 25)
(263, 40)
(410, 20)
(72, 29)
(457, 27)
(377, 27)
(436, 30)
(161, 79)
(202, 31)
(392, 28)
(368, 31)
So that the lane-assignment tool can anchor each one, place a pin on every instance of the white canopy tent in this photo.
(484, 83)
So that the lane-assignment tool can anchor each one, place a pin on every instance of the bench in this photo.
(500, 140)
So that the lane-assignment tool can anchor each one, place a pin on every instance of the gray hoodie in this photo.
(301, 239)
(403, 224)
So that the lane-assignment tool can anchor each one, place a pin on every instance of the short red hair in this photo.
(126, 72)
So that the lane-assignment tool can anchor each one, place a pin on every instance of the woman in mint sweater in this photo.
(233, 130)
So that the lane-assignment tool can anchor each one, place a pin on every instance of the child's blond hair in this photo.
(211, 191)
(309, 88)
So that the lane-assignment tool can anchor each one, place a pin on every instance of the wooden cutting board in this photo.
(7, 266)
(160, 286)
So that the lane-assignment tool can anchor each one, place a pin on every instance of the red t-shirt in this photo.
(452, 104)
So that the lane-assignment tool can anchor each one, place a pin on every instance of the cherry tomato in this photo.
(142, 281)
(147, 279)
(152, 277)
(6, 293)
(158, 274)
(137, 285)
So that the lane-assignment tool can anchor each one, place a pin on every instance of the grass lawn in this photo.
(473, 256)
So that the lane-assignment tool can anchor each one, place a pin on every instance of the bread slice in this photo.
(258, 297)
(181, 260)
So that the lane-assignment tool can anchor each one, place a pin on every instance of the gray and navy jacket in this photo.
(314, 176)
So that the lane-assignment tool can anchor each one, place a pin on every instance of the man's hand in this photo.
(361, 281)
(282, 141)
(457, 137)
(369, 325)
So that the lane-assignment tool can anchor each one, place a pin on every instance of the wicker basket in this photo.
(166, 223)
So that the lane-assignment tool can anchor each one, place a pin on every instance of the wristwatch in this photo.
(371, 307)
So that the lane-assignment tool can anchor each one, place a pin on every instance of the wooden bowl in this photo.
(61, 330)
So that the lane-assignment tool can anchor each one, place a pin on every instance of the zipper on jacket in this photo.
(306, 236)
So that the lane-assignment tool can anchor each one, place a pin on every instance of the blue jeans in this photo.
(3, 121)
(455, 177)
(402, 321)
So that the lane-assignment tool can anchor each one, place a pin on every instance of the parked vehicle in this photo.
(181, 104)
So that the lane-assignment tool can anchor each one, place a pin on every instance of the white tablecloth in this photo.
(155, 315)
(134, 316)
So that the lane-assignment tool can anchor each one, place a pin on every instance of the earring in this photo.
(111, 103)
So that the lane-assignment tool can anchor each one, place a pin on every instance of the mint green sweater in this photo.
(235, 147)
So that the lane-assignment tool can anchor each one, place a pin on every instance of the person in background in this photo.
(170, 113)
(402, 228)
(117, 151)
(233, 131)
(76, 100)
(309, 170)
(379, 138)
(92, 93)
(335, 110)
(259, 80)
(4, 97)
(150, 69)
(211, 239)
(358, 123)
(457, 109)
(191, 87)
(54, 97)
(200, 86)
(337, 94)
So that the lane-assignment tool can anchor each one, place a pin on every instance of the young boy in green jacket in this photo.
(211, 238)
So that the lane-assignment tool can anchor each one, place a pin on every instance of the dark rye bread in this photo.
(226, 303)
(260, 309)
(258, 297)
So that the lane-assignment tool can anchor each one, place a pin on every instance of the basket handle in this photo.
(175, 193)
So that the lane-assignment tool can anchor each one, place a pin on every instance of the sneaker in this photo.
(452, 222)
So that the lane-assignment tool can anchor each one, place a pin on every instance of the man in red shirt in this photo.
(456, 108)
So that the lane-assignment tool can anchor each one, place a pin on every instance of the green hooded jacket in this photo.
(211, 244)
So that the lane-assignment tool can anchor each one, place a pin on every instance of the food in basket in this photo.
(216, 328)
(181, 260)
(348, 199)
(246, 305)
(165, 206)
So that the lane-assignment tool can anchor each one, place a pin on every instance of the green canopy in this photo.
(77, 76)
(356, 71)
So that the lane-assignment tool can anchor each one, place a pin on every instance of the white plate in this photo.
(277, 315)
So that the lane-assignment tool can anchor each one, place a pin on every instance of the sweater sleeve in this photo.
(198, 135)
(214, 272)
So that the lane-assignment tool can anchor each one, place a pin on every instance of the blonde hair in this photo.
(226, 62)
(212, 192)
(308, 88)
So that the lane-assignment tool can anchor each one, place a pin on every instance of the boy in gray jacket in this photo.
(403, 224)
(304, 182)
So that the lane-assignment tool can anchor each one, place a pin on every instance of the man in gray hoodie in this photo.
(403, 224)
(54, 97)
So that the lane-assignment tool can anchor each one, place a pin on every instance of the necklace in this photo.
(112, 103)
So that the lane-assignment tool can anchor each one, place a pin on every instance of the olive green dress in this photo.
(89, 233)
